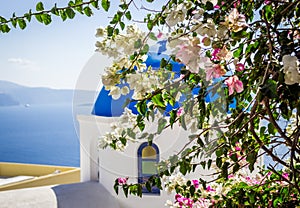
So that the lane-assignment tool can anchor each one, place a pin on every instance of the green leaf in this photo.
(163, 63)
(110, 31)
(145, 49)
(63, 15)
(144, 135)
(183, 168)
(39, 6)
(105, 4)
(39, 18)
(3, 20)
(122, 24)
(46, 19)
(161, 125)
(14, 22)
(172, 118)
(54, 10)
(4, 28)
(152, 36)
(200, 142)
(128, 15)
(70, 13)
(150, 25)
(95, 4)
(269, 11)
(138, 43)
(158, 100)
(87, 11)
(271, 129)
(71, 3)
(77, 2)
(131, 133)
(182, 122)
(270, 89)
(219, 152)
(239, 51)
(123, 6)
(125, 190)
(148, 186)
(28, 16)
(209, 5)
(116, 187)
(236, 167)
(219, 162)
(22, 23)
(140, 190)
(142, 107)
(209, 163)
(192, 190)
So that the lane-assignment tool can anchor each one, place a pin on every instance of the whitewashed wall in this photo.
(107, 165)
(110, 164)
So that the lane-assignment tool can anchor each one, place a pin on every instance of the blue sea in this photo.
(39, 134)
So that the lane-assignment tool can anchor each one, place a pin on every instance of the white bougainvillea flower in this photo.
(189, 54)
(214, 2)
(224, 54)
(235, 21)
(206, 29)
(176, 15)
(115, 92)
(291, 69)
(100, 32)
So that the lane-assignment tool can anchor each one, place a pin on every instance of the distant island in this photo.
(12, 94)
(7, 100)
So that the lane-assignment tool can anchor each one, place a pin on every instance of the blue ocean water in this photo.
(39, 134)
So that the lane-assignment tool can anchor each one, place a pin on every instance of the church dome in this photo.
(108, 107)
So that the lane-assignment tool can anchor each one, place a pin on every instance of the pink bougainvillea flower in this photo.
(285, 175)
(214, 54)
(177, 196)
(122, 181)
(217, 6)
(208, 188)
(237, 3)
(234, 84)
(221, 54)
(179, 111)
(230, 176)
(239, 67)
(237, 147)
(160, 34)
(196, 183)
(215, 71)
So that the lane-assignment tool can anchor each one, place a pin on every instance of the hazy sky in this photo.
(51, 56)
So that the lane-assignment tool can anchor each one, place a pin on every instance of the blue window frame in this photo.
(148, 158)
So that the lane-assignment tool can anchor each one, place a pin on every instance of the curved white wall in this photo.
(111, 164)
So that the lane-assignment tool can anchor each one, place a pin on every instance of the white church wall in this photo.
(113, 164)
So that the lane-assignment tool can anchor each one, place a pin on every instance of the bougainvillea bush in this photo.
(237, 93)
(245, 54)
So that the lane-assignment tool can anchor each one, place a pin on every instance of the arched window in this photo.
(148, 158)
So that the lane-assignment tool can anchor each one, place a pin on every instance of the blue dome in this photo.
(108, 107)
